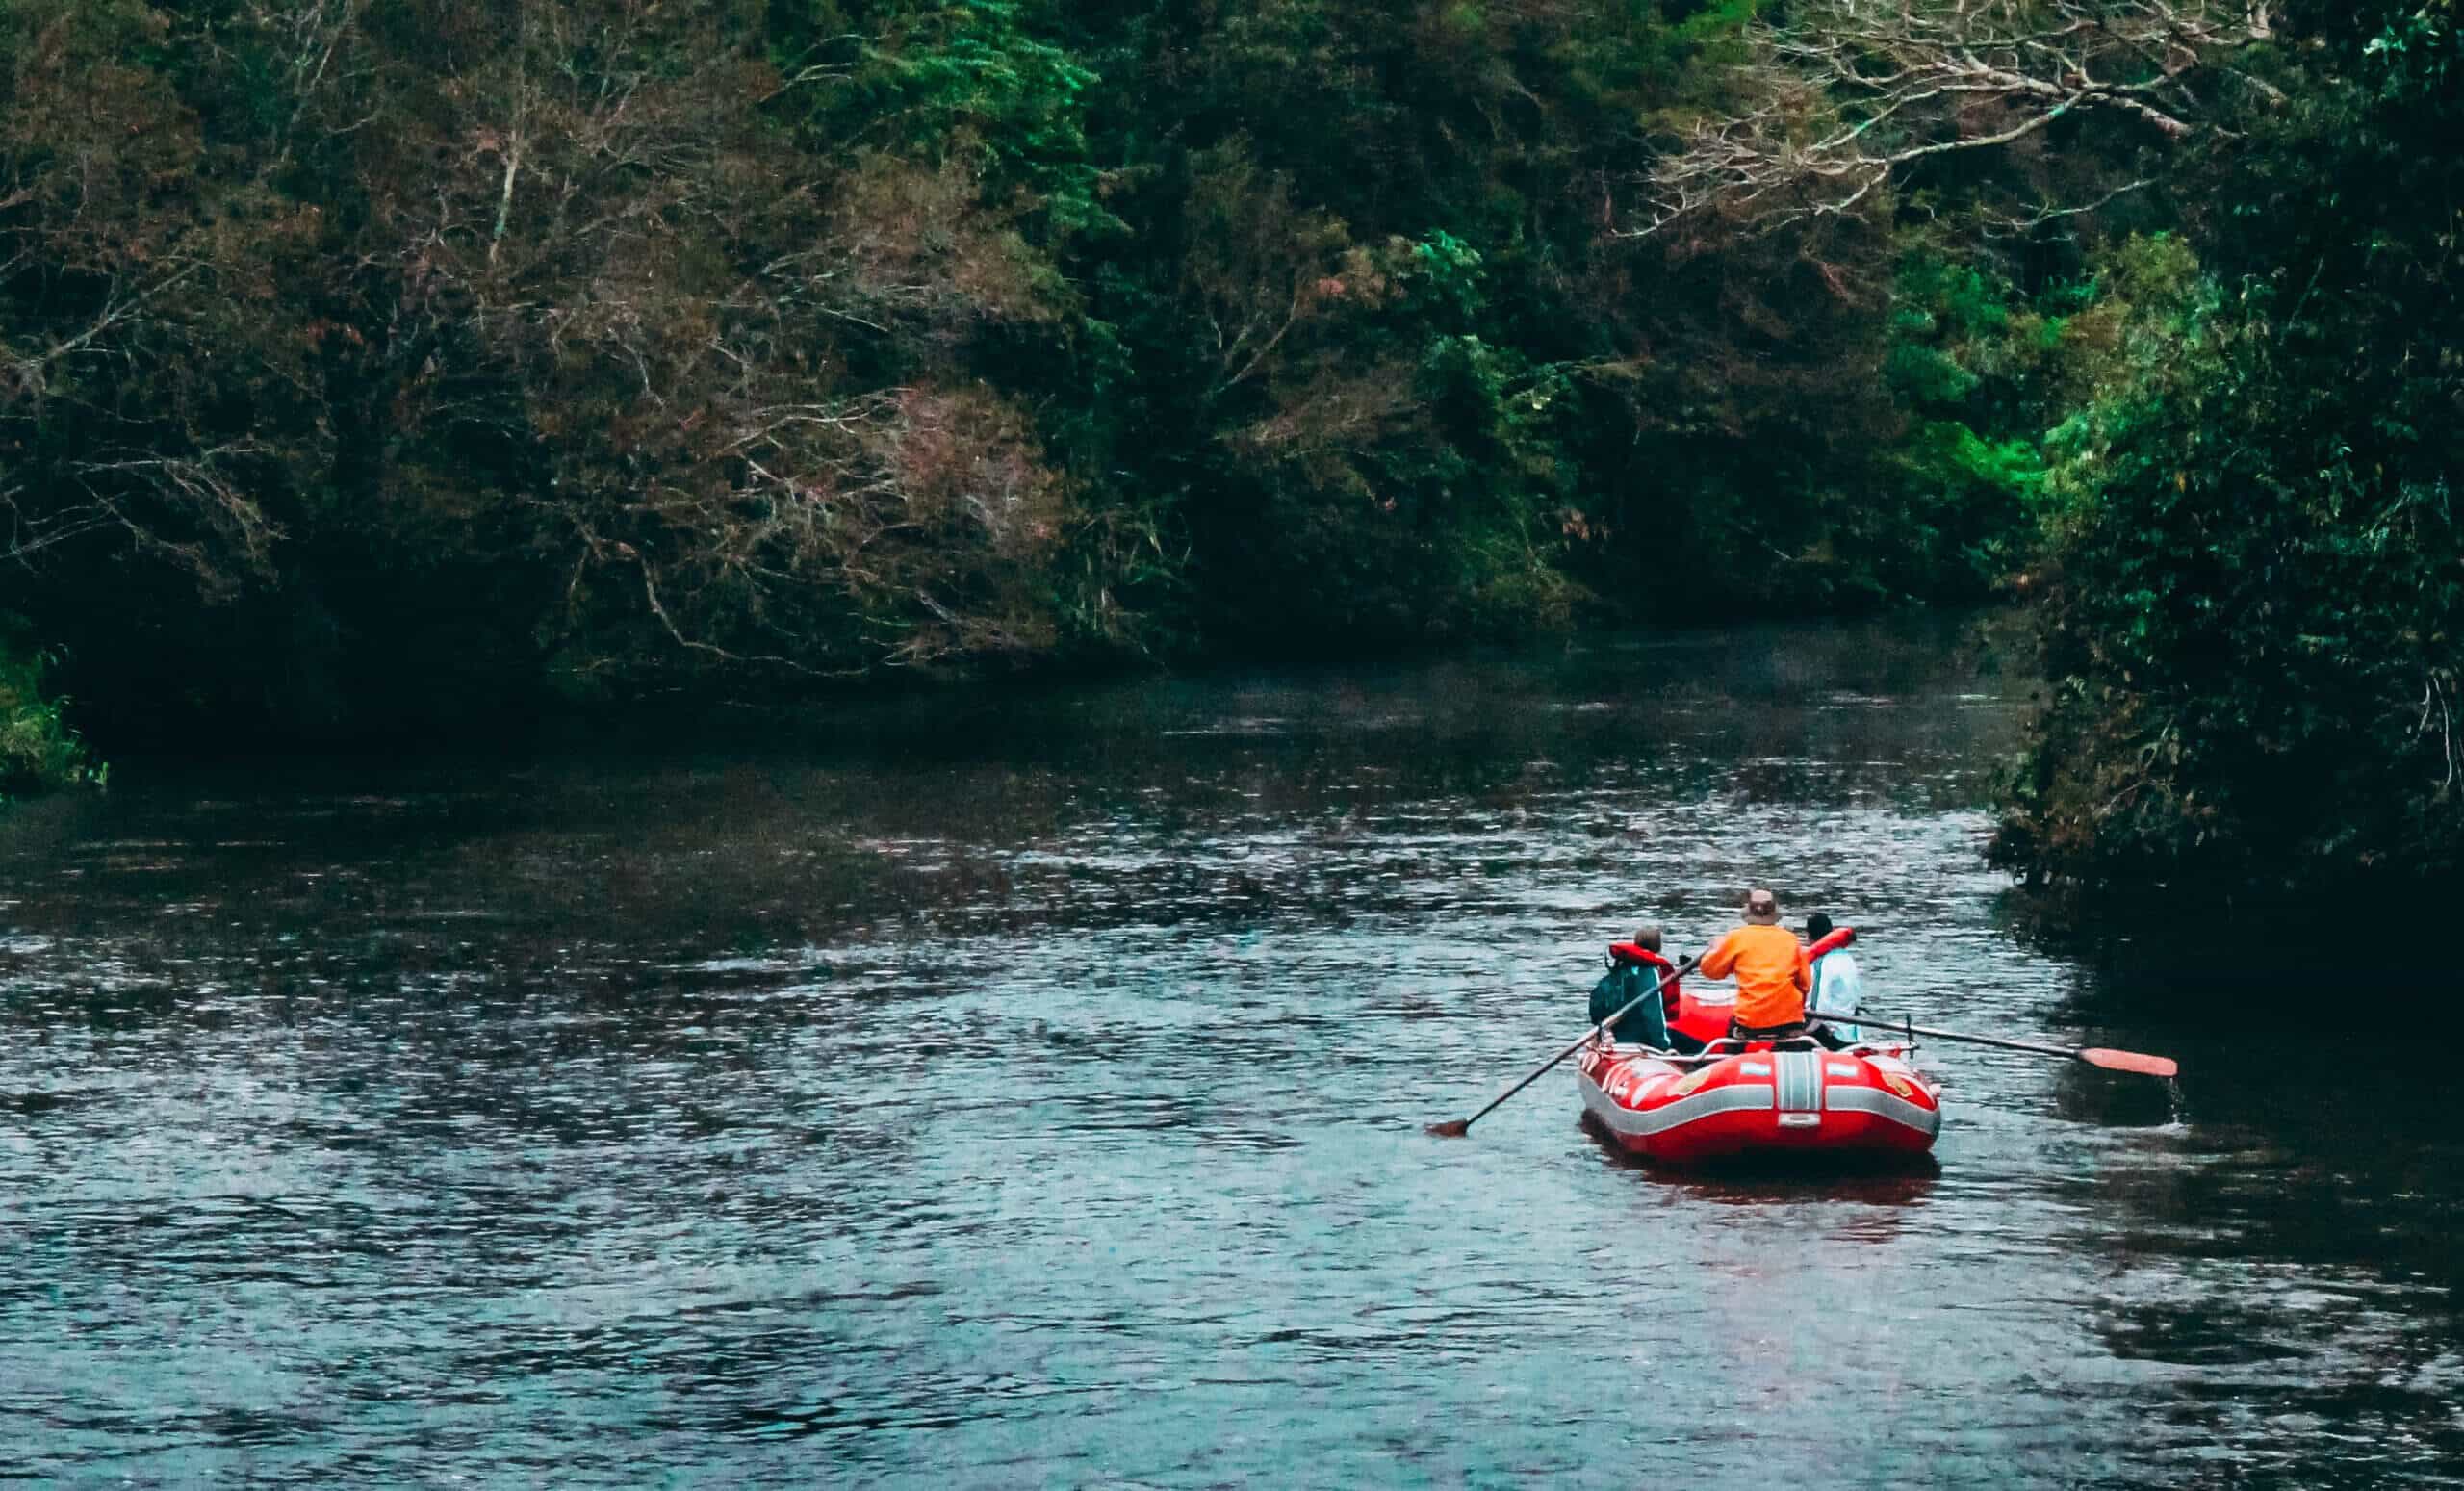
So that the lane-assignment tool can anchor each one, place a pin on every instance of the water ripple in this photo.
(1029, 1089)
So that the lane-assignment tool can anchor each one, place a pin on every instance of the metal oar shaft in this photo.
(2115, 1061)
(1884, 1022)
(1686, 966)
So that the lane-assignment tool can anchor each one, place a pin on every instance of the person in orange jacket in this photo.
(1772, 974)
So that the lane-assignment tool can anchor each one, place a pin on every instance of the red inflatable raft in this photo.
(1739, 1099)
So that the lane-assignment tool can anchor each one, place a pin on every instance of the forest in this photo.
(373, 368)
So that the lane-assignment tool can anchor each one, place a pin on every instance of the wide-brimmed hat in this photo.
(1761, 908)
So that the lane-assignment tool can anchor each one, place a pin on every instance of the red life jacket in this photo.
(1661, 968)
(1831, 942)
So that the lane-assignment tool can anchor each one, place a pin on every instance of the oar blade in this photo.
(1451, 1128)
(2130, 1060)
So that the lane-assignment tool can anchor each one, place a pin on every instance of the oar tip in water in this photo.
(1451, 1128)
(2130, 1060)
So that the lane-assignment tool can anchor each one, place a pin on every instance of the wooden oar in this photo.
(1456, 1128)
(2093, 1056)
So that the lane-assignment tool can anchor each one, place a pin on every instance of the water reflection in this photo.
(1875, 1180)
(1005, 1089)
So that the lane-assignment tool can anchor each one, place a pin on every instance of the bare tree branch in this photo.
(1853, 91)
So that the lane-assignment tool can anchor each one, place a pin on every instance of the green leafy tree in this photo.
(2253, 626)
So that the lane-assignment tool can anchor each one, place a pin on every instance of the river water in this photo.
(1029, 1090)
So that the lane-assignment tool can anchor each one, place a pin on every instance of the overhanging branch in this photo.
(1849, 92)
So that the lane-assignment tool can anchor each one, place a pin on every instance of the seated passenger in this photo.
(1839, 987)
(1772, 975)
(1634, 969)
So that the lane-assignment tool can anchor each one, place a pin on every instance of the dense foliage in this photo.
(368, 365)
(2256, 565)
(364, 365)
(2181, 277)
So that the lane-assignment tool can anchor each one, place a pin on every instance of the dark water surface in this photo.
(1029, 1090)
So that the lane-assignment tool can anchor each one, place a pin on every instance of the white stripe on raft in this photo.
(1882, 1105)
(1683, 1110)
(1755, 1097)
(1800, 1082)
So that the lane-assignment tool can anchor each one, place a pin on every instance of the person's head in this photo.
(1647, 937)
(1761, 908)
(1817, 927)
